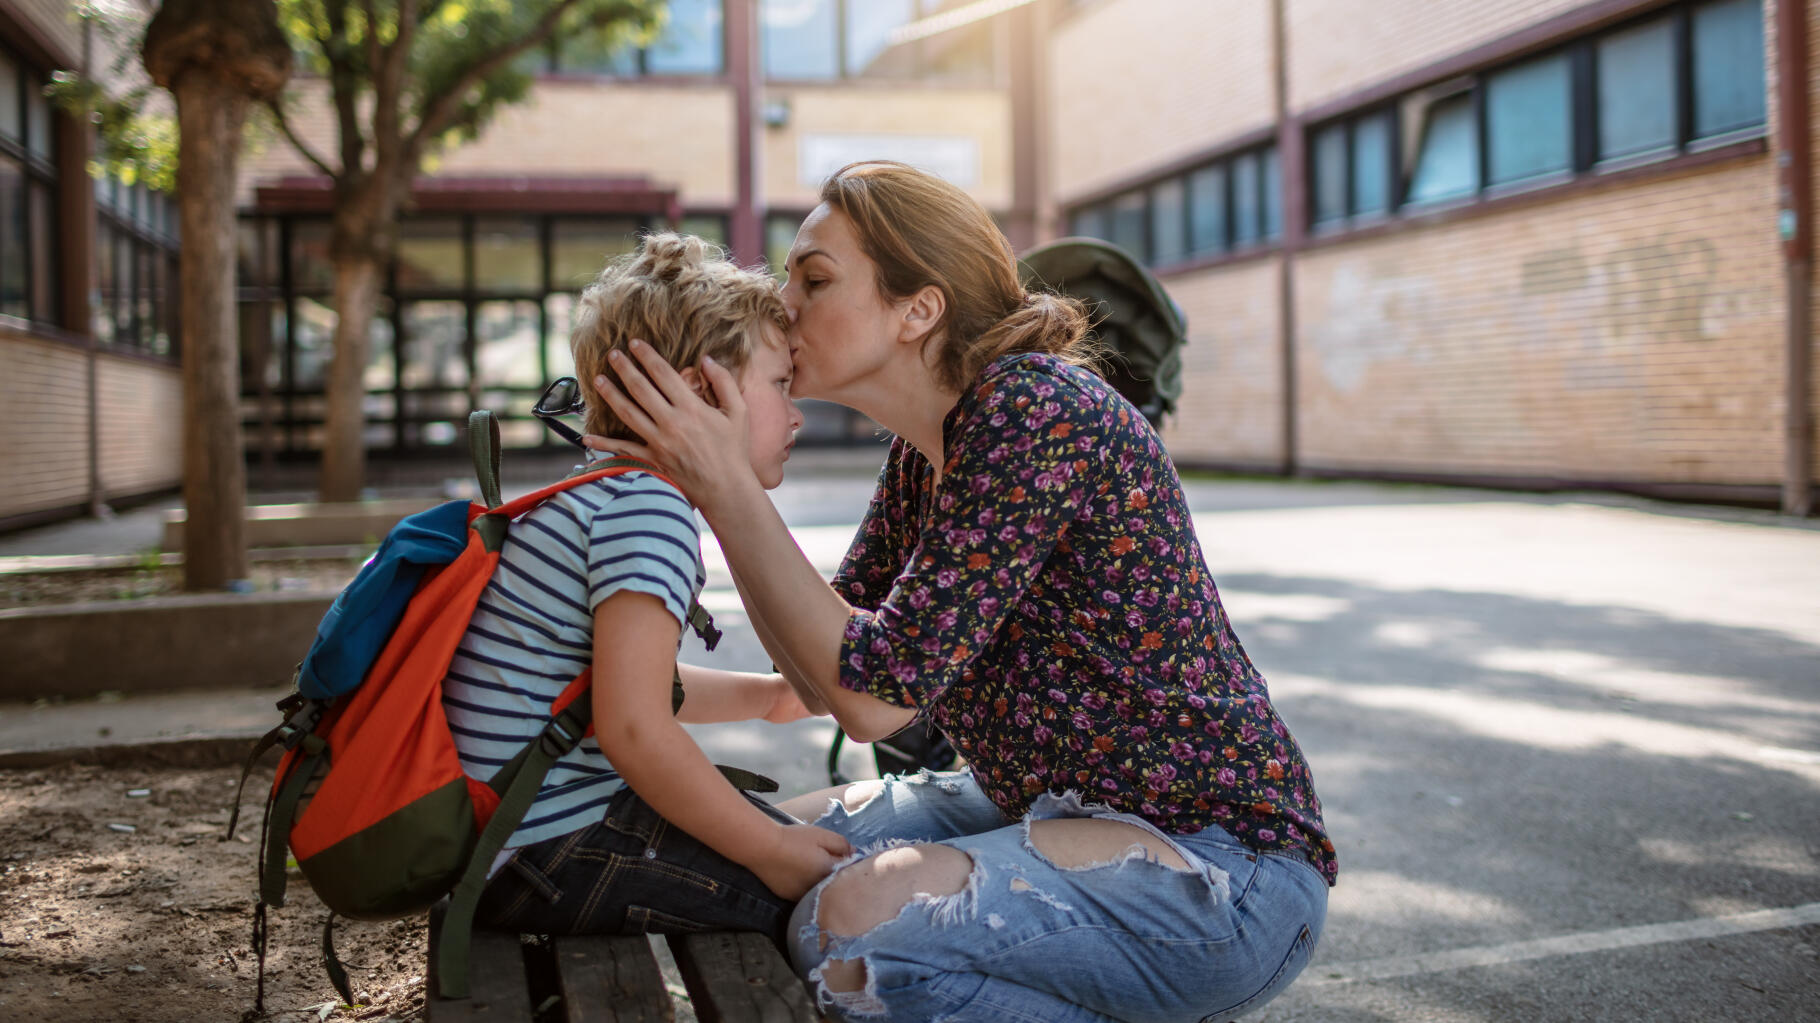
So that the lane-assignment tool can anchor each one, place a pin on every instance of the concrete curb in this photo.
(193, 641)
(188, 751)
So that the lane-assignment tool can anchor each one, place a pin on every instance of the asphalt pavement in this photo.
(1568, 746)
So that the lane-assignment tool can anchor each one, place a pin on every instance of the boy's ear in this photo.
(921, 312)
(691, 375)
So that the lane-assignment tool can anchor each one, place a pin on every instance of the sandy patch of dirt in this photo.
(154, 924)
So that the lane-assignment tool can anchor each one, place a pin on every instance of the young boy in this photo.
(635, 830)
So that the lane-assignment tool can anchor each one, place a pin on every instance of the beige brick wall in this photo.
(1137, 83)
(1339, 46)
(44, 419)
(680, 136)
(1628, 333)
(1232, 395)
(982, 115)
(141, 408)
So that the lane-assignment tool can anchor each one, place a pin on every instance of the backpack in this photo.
(370, 796)
(1139, 323)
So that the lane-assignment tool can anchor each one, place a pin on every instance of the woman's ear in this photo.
(922, 312)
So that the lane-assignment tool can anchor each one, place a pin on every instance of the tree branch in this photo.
(388, 87)
(439, 111)
(345, 85)
(276, 104)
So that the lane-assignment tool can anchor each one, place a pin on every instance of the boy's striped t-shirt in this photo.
(533, 630)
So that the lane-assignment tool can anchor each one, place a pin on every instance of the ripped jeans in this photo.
(1132, 939)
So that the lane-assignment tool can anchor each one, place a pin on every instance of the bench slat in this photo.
(740, 978)
(612, 980)
(497, 988)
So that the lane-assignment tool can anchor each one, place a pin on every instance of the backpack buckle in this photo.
(300, 720)
(556, 740)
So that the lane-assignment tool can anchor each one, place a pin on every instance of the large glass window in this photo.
(1614, 95)
(824, 39)
(1636, 89)
(800, 38)
(1447, 163)
(1128, 216)
(780, 234)
(430, 256)
(508, 255)
(1168, 221)
(28, 196)
(691, 43)
(1247, 201)
(15, 240)
(1728, 66)
(1528, 120)
(1330, 151)
(581, 246)
(1207, 210)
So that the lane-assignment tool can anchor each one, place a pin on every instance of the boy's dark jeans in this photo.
(631, 873)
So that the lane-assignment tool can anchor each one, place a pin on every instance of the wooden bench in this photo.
(730, 977)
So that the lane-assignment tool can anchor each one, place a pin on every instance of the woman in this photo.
(1136, 835)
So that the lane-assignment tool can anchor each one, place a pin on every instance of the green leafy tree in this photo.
(407, 79)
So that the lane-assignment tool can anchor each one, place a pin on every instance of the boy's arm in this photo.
(779, 656)
(712, 695)
(634, 655)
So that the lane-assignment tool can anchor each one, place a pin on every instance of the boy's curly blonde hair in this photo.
(681, 296)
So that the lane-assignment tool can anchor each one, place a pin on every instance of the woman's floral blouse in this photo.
(1048, 606)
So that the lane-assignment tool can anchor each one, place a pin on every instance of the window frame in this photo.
(1267, 231)
(921, 75)
(1583, 117)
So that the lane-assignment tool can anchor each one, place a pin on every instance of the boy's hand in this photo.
(786, 706)
(801, 856)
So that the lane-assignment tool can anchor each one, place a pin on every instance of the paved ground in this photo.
(1569, 746)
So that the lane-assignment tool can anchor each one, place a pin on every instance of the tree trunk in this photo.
(210, 115)
(358, 280)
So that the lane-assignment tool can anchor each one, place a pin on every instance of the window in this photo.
(830, 39)
(1636, 89)
(1447, 161)
(1207, 210)
(800, 38)
(1168, 224)
(780, 234)
(28, 196)
(1650, 88)
(1128, 217)
(1528, 109)
(692, 42)
(1728, 66)
(1233, 202)
(476, 313)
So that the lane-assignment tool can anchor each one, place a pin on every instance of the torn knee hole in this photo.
(860, 793)
(844, 974)
(865, 894)
(1083, 843)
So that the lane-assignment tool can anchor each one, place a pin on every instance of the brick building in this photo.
(1532, 242)
(1525, 243)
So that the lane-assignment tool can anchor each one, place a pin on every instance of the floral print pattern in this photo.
(1047, 605)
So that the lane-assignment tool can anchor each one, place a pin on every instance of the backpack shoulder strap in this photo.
(483, 444)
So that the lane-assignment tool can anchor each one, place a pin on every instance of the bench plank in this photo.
(612, 980)
(497, 988)
(740, 978)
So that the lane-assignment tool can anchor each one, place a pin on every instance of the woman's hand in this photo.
(800, 857)
(699, 446)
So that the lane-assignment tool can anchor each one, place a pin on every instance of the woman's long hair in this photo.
(923, 231)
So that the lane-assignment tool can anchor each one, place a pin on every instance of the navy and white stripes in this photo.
(533, 630)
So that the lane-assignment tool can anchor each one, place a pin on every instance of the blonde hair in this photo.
(681, 296)
(923, 231)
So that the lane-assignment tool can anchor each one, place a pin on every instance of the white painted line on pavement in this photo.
(1566, 944)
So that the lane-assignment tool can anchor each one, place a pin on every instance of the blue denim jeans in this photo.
(1131, 939)
(633, 872)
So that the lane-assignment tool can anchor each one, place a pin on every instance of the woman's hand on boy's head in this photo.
(701, 447)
